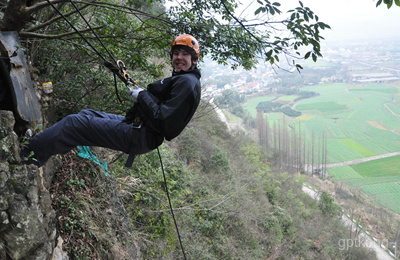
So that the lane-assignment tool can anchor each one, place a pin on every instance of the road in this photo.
(329, 165)
(363, 238)
(223, 118)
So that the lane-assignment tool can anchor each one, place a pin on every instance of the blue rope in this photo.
(84, 152)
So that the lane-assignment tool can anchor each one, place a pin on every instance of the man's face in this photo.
(181, 60)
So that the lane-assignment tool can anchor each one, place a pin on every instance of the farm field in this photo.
(358, 121)
(380, 179)
(365, 125)
(251, 104)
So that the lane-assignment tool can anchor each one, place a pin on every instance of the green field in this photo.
(251, 104)
(358, 121)
(379, 168)
(364, 151)
(321, 106)
(386, 194)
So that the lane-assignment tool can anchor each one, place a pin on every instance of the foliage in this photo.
(268, 107)
(229, 98)
(388, 3)
(140, 34)
(219, 161)
(237, 111)
(78, 201)
(327, 204)
(290, 112)
(226, 200)
(301, 93)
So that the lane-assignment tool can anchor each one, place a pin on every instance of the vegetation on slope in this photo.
(227, 202)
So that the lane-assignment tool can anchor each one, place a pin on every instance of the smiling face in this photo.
(182, 60)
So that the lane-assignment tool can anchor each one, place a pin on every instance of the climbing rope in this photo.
(170, 205)
(117, 70)
(113, 68)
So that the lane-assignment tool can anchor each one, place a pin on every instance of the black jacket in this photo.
(167, 106)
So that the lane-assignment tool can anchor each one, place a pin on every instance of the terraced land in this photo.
(358, 121)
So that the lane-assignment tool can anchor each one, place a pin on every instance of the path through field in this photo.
(330, 165)
(381, 254)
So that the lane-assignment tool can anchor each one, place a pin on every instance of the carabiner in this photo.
(122, 67)
(130, 83)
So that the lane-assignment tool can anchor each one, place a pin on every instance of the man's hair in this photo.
(187, 49)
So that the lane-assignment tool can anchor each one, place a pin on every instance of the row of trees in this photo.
(269, 106)
(290, 146)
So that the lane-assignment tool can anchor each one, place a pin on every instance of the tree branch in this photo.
(34, 28)
(36, 7)
(24, 34)
(241, 24)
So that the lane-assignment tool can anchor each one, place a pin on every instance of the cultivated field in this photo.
(358, 121)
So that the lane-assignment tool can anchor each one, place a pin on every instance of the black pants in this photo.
(87, 128)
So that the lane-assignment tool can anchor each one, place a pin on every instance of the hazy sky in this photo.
(353, 19)
(349, 19)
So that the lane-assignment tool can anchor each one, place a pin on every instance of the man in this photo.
(160, 112)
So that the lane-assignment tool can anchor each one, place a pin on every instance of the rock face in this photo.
(27, 220)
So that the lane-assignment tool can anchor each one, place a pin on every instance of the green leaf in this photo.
(397, 2)
(272, 11)
(378, 3)
(307, 55)
(305, 17)
(260, 9)
(277, 10)
(314, 57)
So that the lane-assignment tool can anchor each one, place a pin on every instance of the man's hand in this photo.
(135, 93)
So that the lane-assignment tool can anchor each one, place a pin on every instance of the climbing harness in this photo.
(119, 70)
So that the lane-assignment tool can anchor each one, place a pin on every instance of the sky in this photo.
(349, 19)
(353, 19)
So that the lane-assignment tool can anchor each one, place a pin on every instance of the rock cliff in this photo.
(27, 219)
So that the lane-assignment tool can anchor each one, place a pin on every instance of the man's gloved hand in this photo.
(135, 93)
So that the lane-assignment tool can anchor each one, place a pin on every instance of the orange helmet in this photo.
(187, 40)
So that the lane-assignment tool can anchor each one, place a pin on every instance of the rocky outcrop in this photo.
(27, 219)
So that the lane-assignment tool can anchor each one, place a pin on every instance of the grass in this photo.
(359, 121)
(288, 98)
(232, 118)
(379, 168)
(386, 194)
(381, 188)
(343, 173)
(305, 117)
(322, 106)
(358, 183)
(358, 115)
(339, 152)
(394, 107)
(251, 104)
(364, 151)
